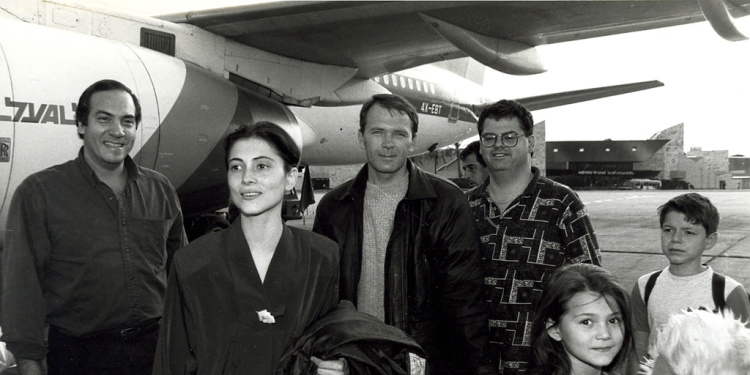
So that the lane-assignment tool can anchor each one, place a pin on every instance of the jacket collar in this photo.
(419, 184)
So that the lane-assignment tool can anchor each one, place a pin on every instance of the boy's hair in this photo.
(703, 343)
(549, 356)
(696, 208)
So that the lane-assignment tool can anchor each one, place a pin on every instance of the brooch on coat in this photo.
(266, 317)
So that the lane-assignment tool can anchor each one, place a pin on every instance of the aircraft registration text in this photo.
(431, 108)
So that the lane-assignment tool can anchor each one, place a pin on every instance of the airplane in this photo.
(306, 66)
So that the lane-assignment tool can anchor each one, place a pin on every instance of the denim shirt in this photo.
(78, 258)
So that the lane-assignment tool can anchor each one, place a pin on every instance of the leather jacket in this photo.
(433, 273)
(368, 345)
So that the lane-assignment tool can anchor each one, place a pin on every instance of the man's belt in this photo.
(128, 333)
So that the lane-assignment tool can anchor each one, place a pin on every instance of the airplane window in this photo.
(419, 85)
(580, 149)
(554, 150)
(607, 149)
(432, 88)
(411, 83)
(403, 82)
(377, 79)
(394, 79)
(385, 79)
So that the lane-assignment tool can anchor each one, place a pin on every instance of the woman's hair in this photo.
(701, 342)
(279, 140)
(549, 356)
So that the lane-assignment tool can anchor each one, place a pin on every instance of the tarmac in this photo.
(627, 228)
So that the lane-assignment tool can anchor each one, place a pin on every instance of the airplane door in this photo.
(6, 132)
(454, 113)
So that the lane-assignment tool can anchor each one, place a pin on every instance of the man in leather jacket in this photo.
(409, 253)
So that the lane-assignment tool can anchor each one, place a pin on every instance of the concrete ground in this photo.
(627, 227)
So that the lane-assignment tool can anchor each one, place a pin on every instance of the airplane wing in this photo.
(534, 103)
(381, 37)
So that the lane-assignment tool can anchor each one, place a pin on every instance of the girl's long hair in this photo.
(549, 356)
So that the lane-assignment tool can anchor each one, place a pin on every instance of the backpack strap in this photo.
(717, 291)
(650, 286)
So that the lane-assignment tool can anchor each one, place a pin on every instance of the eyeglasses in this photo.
(509, 139)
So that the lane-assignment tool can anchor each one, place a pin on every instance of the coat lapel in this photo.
(249, 295)
(284, 268)
(252, 295)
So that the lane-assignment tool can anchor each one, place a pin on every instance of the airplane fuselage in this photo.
(187, 110)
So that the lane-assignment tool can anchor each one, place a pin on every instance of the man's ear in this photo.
(411, 145)
(361, 139)
(532, 143)
(553, 330)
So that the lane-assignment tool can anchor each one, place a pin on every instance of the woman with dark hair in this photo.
(237, 298)
(582, 323)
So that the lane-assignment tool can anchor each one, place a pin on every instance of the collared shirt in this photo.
(543, 228)
(80, 259)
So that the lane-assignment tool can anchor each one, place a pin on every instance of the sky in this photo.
(707, 87)
(707, 81)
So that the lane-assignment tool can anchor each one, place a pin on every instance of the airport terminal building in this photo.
(609, 164)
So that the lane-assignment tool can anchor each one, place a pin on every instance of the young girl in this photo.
(582, 325)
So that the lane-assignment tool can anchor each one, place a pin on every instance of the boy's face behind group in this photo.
(684, 242)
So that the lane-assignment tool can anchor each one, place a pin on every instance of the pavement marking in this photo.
(615, 199)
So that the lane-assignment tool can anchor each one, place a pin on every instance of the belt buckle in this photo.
(127, 331)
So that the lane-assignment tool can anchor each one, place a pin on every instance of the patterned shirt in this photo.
(545, 227)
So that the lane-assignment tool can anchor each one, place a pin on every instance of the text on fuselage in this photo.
(44, 113)
(430, 108)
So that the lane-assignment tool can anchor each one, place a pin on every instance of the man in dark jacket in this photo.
(409, 255)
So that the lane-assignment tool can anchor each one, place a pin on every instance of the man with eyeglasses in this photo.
(528, 226)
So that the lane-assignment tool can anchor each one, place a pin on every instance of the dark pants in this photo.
(106, 353)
